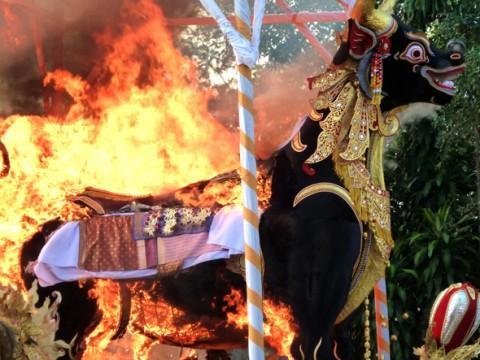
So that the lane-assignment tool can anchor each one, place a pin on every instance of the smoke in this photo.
(43, 35)
(38, 36)
(281, 100)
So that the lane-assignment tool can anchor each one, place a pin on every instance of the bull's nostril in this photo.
(456, 46)
(456, 56)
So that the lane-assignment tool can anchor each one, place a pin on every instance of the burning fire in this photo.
(279, 325)
(166, 324)
(144, 128)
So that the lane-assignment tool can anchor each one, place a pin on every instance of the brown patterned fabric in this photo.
(106, 242)
(104, 202)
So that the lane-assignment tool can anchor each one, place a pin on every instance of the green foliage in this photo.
(463, 23)
(435, 226)
(421, 12)
(434, 180)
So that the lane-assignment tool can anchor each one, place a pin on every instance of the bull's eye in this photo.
(415, 53)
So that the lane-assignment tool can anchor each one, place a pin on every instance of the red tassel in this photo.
(376, 69)
(308, 170)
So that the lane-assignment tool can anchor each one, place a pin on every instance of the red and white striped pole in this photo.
(381, 319)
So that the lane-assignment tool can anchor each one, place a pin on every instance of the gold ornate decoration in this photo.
(297, 144)
(368, 347)
(28, 332)
(315, 116)
(430, 351)
(329, 79)
(328, 188)
(379, 20)
(390, 124)
(353, 134)
(340, 111)
(359, 134)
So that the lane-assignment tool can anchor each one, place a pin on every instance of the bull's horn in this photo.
(365, 13)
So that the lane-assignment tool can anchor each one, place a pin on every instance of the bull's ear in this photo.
(361, 40)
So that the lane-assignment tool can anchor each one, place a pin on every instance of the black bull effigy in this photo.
(325, 235)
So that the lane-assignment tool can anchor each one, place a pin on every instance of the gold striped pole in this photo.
(248, 173)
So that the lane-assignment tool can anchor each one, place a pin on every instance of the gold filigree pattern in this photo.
(359, 174)
(331, 126)
(359, 135)
(321, 102)
(374, 204)
(327, 80)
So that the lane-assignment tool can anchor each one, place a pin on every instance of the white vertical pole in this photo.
(253, 266)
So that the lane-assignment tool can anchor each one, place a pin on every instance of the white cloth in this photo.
(58, 260)
(246, 51)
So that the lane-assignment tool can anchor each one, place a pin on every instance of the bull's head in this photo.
(413, 69)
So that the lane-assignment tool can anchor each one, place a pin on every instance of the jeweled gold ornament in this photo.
(454, 318)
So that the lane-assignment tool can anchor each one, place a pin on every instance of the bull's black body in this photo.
(309, 251)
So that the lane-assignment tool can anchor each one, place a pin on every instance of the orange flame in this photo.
(144, 128)
(120, 135)
(106, 293)
(279, 325)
